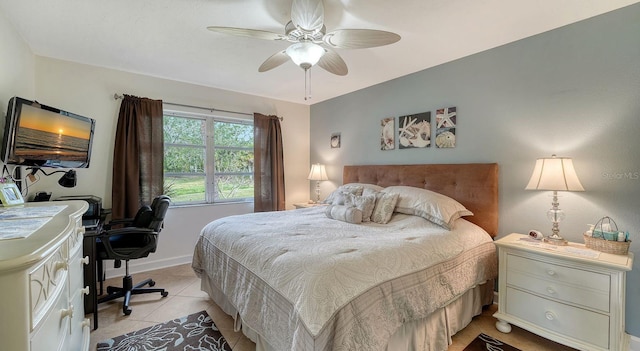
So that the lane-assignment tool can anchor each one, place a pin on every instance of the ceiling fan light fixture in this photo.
(305, 54)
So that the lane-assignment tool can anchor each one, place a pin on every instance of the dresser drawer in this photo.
(46, 283)
(560, 318)
(76, 237)
(579, 287)
(51, 333)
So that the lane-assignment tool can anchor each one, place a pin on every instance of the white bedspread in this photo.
(310, 267)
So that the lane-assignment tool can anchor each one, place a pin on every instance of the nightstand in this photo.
(569, 294)
(307, 205)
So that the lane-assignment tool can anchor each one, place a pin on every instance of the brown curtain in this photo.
(137, 156)
(268, 165)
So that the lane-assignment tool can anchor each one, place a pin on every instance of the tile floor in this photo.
(185, 298)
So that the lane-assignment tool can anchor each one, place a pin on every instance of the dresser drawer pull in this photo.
(84, 260)
(68, 312)
(550, 316)
(85, 290)
(550, 290)
(551, 272)
(60, 265)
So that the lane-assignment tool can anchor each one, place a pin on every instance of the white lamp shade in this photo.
(305, 54)
(555, 173)
(318, 172)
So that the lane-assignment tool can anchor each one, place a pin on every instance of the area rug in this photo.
(195, 332)
(484, 342)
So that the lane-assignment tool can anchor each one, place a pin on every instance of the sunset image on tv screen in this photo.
(46, 135)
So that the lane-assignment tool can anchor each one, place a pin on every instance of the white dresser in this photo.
(41, 282)
(564, 295)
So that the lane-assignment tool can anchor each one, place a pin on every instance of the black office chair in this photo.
(133, 239)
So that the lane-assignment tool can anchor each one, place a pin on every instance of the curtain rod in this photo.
(210, 109)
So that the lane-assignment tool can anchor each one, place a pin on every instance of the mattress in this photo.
(305, 282)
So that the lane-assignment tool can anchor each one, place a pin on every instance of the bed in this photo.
(298, 280)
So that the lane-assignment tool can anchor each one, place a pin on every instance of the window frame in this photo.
(209, 172)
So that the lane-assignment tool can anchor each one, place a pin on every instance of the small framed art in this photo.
(10, 194)
(335, 140)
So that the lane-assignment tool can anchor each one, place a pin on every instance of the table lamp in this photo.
(318, 173)
(556, 174)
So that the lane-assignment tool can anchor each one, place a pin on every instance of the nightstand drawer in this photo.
(562, 319)
(571, 285)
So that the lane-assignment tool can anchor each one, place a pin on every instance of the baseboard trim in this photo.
(634, 343)
(146, 265)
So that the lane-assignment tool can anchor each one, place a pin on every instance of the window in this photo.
(207, 159)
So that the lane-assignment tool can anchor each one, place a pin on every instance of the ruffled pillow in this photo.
(344, 213)
(337, 197)
(434, 207)
(365, 203)
(385, 204)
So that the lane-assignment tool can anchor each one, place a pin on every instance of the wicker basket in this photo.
(606, 246)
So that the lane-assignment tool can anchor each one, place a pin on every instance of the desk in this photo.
(90, 273)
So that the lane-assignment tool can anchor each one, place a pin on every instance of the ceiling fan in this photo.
(311, 44)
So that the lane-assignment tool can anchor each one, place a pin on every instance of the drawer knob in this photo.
(550, 290)
(85, 260)
(60, 265)
(85, 290)
(551, 272)
(67, 312)
(550, 316)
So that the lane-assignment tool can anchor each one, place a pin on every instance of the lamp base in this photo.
(555, 240)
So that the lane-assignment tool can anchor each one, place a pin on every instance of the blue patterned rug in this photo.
(484, 342)
(195, 332)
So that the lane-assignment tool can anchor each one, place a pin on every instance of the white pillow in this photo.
(336, 198)
(344, 213)
(366, 186)
(385, 204)
(365, 203)
(351, 188)
(437, 208)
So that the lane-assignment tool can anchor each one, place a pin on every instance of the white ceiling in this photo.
(169, 39)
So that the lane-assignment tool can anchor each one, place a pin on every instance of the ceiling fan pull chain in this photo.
(307, 84)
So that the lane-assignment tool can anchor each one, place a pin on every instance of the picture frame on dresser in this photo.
(10, 194)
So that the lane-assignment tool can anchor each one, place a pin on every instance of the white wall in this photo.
(16, 67)
(574, 91)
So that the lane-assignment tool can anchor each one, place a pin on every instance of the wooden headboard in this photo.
(475, 185)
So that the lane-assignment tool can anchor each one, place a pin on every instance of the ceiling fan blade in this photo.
(359, 38)
(251, 33)
(308, 14)
(333, 63)
(274, 61)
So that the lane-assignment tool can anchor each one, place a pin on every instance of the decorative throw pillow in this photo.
(385, 205)
(344, 213)
(434, 207)
(370, 187)
(365, 203)
(354, 189)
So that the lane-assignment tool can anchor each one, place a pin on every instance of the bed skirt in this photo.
(432, 333)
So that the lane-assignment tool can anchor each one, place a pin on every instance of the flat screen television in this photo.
(37, 135)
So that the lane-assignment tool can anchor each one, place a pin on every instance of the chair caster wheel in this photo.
(165, 294)
(152, 283)
(110, 290)
(126, 311)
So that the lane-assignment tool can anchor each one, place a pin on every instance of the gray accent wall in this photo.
(573, 91)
